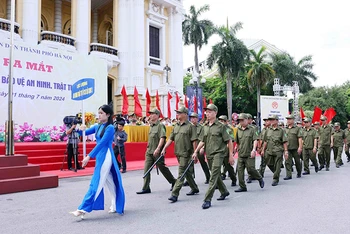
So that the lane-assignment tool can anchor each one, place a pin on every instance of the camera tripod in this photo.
(74, 140)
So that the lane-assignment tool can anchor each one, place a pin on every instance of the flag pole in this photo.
(9, 136)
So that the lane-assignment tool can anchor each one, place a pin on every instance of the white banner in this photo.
(42, 81)
(274, 105)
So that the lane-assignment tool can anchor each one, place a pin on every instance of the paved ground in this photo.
(317, 203)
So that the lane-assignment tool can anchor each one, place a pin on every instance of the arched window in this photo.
(44, 26)
(67, 28)
(109, 34)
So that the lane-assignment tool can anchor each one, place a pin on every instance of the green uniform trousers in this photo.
(276, 160)
(215, 178)
(289, 162)
(183, 163)
(150, 159)
(248, 163)
(308, 155)
(265, 161)
(228, 168)
(337, 152)
(347, 152)
(324, 155)
(204, 165)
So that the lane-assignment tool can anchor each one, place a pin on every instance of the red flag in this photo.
(169, 107)
(177, 101)
(138, 108)
(204, 105)
(329, 113)
(210, 101)
(186, 102)
(195, 104)
(148, 103)
(125, 106)
(158, 105)
(317, 114)
(302, 114)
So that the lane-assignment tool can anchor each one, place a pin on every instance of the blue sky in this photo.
(299, 27)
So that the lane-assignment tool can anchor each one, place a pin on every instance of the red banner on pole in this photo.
(329, 113)
(158, 105)
(177, 101)
(186, 102)
(317, 114)
(148, 103)
(125, 106)
(169, 107)
(302, 114)
(138, 107)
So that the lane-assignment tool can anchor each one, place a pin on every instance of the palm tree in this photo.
(288, 70)
(259, 74)
(196, 31)
(230, 55)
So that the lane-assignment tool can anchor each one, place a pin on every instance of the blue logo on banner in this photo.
(191, 94)
(83, 89)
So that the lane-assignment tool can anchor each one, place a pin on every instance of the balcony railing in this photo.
(154, 61)
(57, 37)
(6, 25)
(103, 48)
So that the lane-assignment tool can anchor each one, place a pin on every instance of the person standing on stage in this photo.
(106, 171)
(156, 141)
(201, 156)
(184, 134)
(215, 139)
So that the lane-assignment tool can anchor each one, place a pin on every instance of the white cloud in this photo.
(317, 28)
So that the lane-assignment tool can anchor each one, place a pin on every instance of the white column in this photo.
(30, 23)
(82, 30)
(8, 9)
(176, 55)
(58, 16)
(124, 53)
(95, 26)
(138, 45)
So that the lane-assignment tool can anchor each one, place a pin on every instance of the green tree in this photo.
(196, 31)
(230, 54)
(288, 70)
(259, 73)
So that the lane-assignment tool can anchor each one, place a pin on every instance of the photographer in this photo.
(120, 137)
(72, 146)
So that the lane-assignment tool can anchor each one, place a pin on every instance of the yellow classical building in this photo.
(136, 38)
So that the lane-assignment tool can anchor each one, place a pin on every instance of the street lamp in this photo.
(194, 82)
(167, 69)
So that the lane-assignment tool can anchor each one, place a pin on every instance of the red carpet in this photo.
(50, 155)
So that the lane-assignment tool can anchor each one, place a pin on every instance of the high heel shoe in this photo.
(78, 213)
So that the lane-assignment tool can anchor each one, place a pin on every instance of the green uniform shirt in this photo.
(324, 134)
(347, 135)
(338, 138)
(293, 133)
(199, 129)
(156, 132)
(275, 137)
(229, 131)
(256, 129)
(245, 138)
(183, 135)
(309, 136)
(215, 138)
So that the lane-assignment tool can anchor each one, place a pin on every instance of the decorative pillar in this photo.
(30, 24)
(8, 9)
(95, 26)
(176, 50)
(58, 16)
(124, 53)
(81, 21)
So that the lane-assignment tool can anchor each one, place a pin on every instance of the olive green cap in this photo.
(349, 122)
(273, 117)
(323, 118)
(223, 117)
(307, 120)
(194, 115)
(336, 124)
(154, 111)
(317, 123)
(281, 124)
(182, 110)
(242, 116)
(211, 107)
(290, 117)
(249, 116)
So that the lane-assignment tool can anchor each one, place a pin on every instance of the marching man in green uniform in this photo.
(265, 158)
(295, 147)
(156, 140)
(347, 146)
(184, 135)
(309, 146)
(227, 167)
(215, 139)
(324, 150)
(246, 138)
(338, 139)
(201, 157)
(276, 145)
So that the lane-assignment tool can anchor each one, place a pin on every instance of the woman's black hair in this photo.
(108, 110)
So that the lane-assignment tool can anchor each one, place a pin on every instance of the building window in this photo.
(154, 45)
(109, 35)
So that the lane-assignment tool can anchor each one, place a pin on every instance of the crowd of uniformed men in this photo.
(297, 143)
